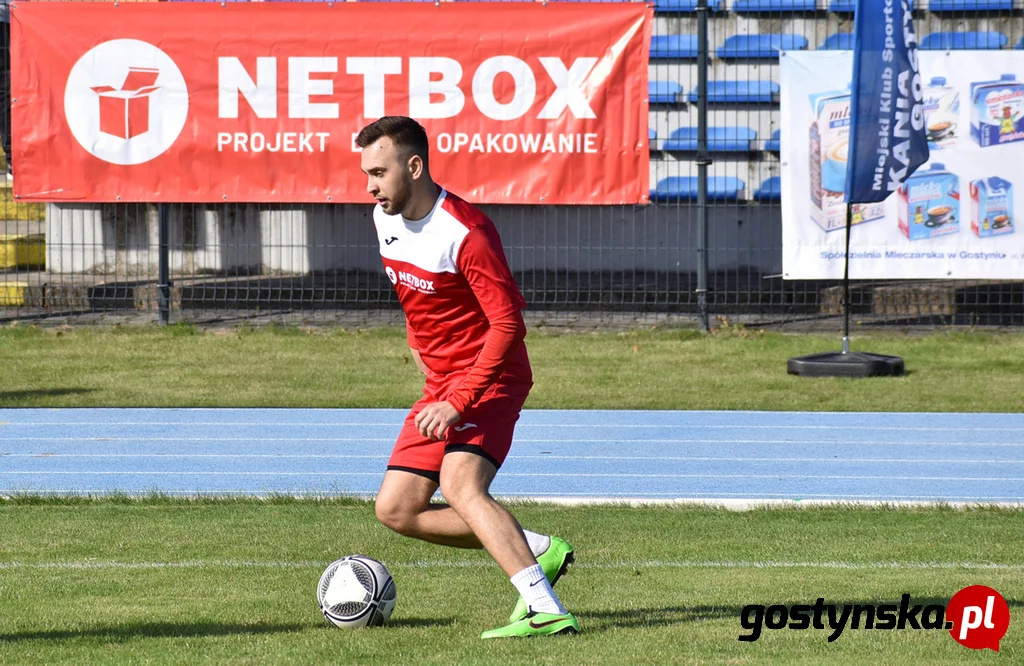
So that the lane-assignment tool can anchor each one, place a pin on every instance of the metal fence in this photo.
(318, 261)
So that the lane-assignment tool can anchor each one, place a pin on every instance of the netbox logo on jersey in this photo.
(125, 101)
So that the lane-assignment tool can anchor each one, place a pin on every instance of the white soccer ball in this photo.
(356, 591)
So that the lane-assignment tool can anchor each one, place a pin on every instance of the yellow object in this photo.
(12, 294)
(22, 250)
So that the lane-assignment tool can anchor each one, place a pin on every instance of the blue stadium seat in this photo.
(770, 190)
(674, 46)
(739, 92)
(762, 6)
(760, 46)
(683, 6)
(663, 92)
(774, 145)
(684, 188)
(841, 41)
(942, 41)
(651, 134)
(1020, 44)
(849, 6)
(720, 139)
(969, 5)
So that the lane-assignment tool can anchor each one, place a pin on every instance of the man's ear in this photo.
(415, 167)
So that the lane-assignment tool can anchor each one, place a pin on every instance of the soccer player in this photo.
(466, 333)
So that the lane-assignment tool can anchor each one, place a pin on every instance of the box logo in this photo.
(125, 101)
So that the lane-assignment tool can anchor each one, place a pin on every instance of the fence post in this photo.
(703, 161)
(164, 287)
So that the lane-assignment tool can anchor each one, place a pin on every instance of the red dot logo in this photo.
(980, 617)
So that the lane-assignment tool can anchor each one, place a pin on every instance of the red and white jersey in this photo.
(451, 275)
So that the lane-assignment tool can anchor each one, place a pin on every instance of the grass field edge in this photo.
(65, 498)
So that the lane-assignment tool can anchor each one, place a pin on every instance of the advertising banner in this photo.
(953, 218)
(887, 133)
(213, 102)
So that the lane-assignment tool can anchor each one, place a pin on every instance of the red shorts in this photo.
(485, 429)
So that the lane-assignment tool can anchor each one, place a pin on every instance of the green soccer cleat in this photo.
(554, 561)
(537, 624)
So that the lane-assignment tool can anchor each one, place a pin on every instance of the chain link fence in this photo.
(244, 262)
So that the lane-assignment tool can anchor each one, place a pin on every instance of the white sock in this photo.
(538, 542)
(533, 585)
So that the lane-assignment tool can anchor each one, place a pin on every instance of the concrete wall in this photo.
(249, 239)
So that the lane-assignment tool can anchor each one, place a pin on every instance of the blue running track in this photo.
(579, 455)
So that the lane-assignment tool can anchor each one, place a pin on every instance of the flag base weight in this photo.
(849, 364)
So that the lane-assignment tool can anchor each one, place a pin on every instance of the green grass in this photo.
(281, 366)
(231, 581)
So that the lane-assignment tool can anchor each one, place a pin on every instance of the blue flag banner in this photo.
(887, 126)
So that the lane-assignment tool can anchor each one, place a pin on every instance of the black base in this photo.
(852, 364)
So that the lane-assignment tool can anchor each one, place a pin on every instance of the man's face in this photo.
(388, 177)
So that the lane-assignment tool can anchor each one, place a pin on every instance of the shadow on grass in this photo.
(153, 630)
(637, 618)
(6, 396)
(420, 622)
(126, 632)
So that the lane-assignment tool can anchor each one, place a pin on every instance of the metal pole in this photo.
(846, 281)
(703, 160)
(164, 287)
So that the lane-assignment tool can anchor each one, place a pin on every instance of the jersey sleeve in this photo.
(503, 338)
(481, 260)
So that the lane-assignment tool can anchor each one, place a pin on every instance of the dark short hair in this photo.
(408, 135)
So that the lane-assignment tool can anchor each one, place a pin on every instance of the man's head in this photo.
(395, 159)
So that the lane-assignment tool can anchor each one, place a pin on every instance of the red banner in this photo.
(523, 103)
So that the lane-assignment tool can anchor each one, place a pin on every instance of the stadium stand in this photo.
(772, 6)
(969, 5)
(760, 46)
(770, 190)
(674, 46)
(683, 6)
(684, 188)
(848, 6)
(663, 92)
(720, 140)
(953, 41)
(841, 41)
(739, 92)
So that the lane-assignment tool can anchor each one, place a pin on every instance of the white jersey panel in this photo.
(431, 244)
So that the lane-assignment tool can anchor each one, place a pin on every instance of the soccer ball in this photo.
(356, 591)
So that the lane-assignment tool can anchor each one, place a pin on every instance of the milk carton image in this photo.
(941, 112)
(997, 111)
(991, 207)
(829, 147)
(929, 203)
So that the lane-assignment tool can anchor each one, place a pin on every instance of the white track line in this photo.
(444, 564)
(726, 500)
(518, 440)
(277, 456)
(397, 424)
(777, 477)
